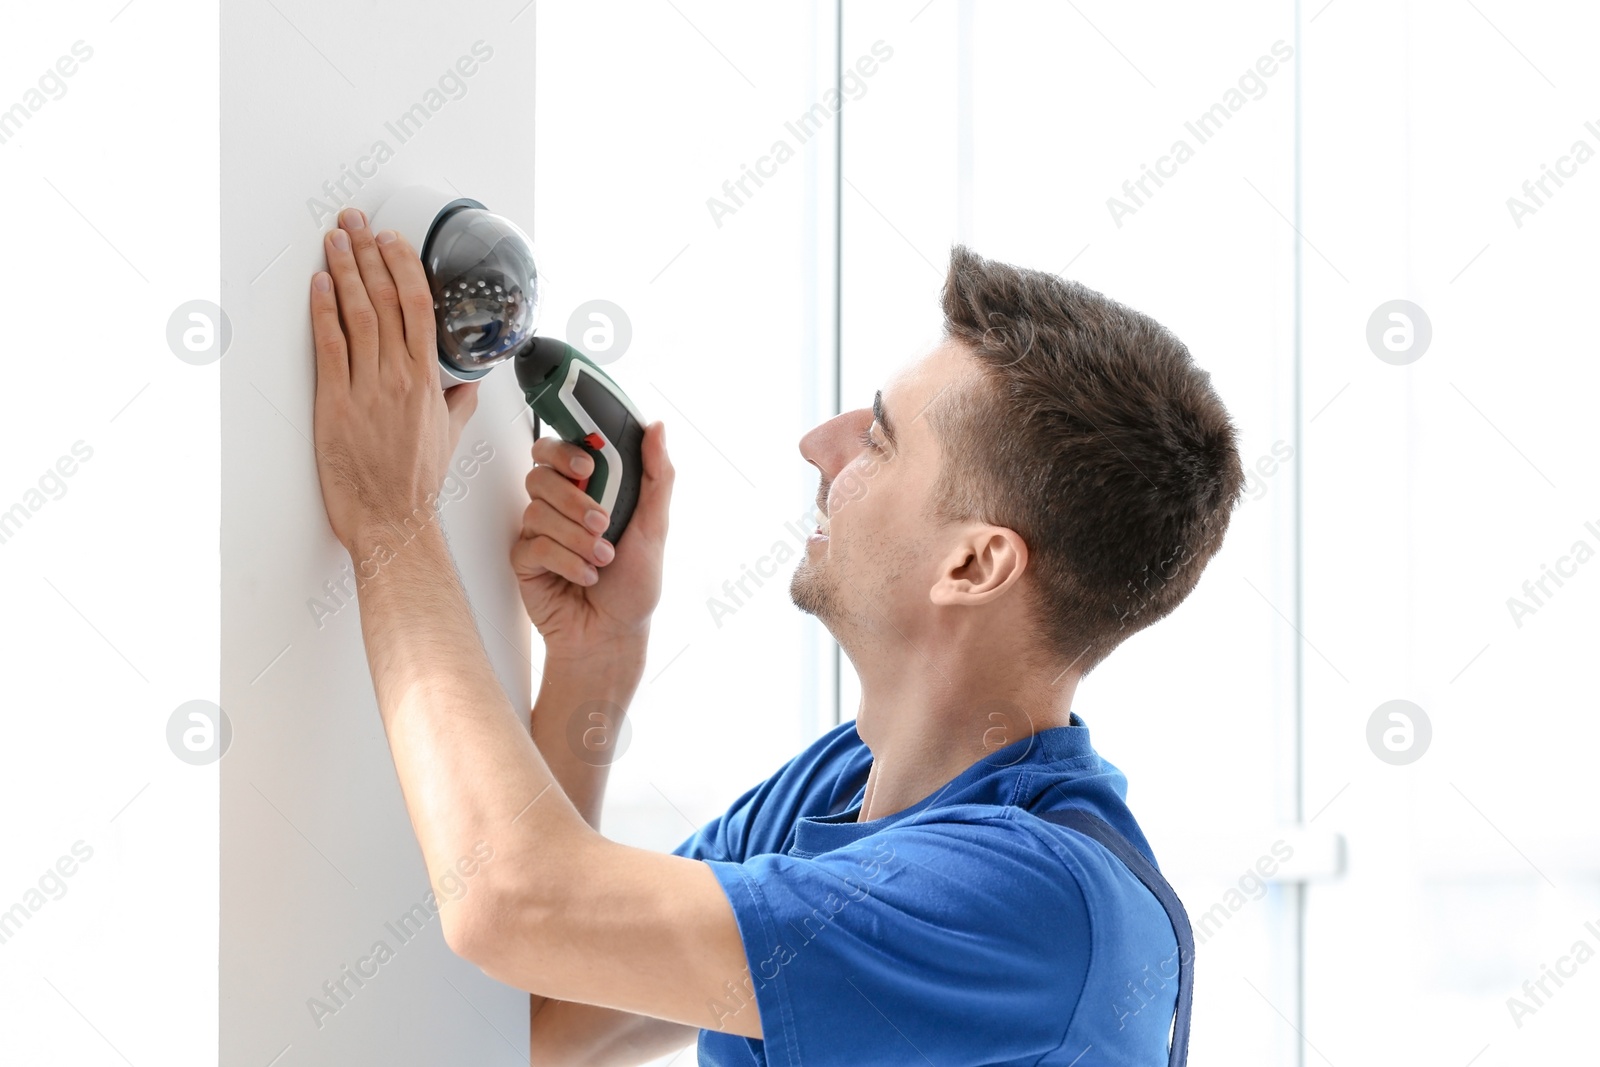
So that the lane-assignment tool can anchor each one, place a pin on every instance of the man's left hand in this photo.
(385, 431)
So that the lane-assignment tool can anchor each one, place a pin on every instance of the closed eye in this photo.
(866, 439)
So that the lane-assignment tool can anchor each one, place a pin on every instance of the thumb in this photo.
(655, 486)
(462, 400)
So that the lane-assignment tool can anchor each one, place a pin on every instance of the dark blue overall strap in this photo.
(1133, 859)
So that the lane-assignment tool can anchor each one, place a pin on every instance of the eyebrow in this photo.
(883, 418)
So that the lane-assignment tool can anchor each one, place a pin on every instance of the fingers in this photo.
(416, 298)
(557, 545)
(532, 559)
(581, 520)
(360, 319)
(381, 292)
(561, 526)
(566, 457)
(333, 360)
(562, 463)
(655, 487)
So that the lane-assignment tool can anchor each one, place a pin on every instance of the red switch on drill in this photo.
(596, 442)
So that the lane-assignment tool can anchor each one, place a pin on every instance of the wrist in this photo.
(378, 541)
(612, 669)
(622, 646)
(620, 658)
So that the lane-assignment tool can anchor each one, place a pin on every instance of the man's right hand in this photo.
(556, 551)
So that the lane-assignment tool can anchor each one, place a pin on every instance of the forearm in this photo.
(578, 718)
(558, 910)
(468, 769)
(579, 750)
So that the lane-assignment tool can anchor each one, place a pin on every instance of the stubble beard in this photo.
(813, 590)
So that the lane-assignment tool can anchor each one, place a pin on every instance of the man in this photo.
(1048, 480)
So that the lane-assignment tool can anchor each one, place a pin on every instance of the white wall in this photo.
(318, 856)
(108, 579)
(1432, 491)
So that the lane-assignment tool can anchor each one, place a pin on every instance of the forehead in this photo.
(911, 389)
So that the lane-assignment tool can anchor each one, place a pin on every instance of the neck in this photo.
(928, 718)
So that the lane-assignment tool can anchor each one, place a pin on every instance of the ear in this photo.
(985, 563)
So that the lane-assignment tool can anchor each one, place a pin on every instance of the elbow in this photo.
(503, 932)
(485, 931)
(464, 934)
(516, 920)
(477, 922)
(492, 948)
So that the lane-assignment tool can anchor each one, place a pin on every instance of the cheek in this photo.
(878, 519)
(853, 485)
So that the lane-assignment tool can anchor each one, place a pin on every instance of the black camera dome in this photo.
(485, 288)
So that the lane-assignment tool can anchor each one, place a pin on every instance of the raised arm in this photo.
(559, 911)
(595, 641)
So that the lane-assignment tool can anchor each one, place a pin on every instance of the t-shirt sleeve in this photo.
(724, 837)
(761, 819)
(908, 946)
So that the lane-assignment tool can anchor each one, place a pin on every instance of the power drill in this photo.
(585, 407)
(486, 300)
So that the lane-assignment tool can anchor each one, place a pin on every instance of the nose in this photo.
(830, 445)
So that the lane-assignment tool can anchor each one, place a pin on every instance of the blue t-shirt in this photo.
(962, 930)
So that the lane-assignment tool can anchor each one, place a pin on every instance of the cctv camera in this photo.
(480, 270)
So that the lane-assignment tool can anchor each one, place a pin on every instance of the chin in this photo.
(810, 592)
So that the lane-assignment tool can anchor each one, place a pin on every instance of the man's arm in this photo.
(562, 1031)
(578, 716)
(595, 636)
(559, 910)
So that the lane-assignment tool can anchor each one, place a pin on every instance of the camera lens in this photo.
(485, 288)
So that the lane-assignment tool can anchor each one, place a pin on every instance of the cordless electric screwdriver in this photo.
(585, 407)
(486, 299)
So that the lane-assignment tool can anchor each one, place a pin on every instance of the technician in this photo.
(954, 877)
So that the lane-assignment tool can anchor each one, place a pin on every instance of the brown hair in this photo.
(1092, 434)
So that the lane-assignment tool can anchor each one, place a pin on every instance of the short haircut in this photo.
(1092, 433)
